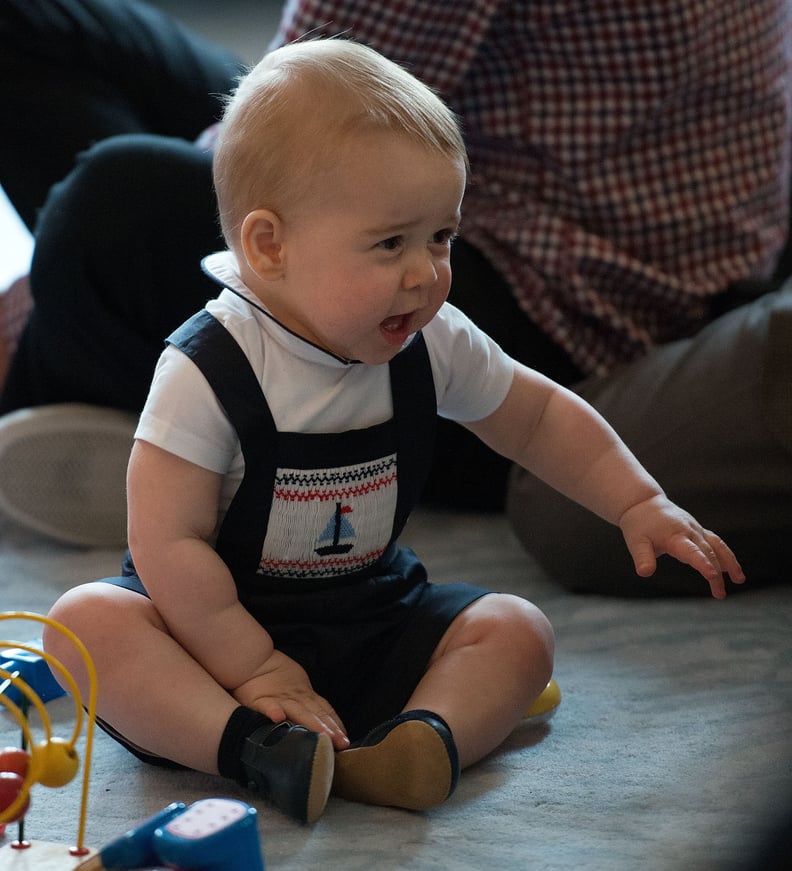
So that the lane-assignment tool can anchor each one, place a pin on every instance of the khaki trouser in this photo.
(711, 418)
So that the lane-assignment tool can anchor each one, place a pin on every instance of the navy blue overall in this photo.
(364, 637)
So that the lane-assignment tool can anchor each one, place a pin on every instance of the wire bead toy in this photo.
(52, 762)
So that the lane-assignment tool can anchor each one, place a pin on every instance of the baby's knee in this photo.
(73, 611)
(530, 631)
(87, 618)
(519, 629)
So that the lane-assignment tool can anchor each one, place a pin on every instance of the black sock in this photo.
(241, 724)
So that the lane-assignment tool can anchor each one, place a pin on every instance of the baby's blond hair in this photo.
(294, 109)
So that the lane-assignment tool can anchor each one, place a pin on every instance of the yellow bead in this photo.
(55, 762)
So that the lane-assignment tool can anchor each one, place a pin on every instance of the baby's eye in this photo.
(392, 243)
(444, 237)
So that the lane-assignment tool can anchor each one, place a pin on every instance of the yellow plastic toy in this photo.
(546, 705)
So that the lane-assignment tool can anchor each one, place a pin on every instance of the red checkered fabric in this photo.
(630, 159)
(15, 305)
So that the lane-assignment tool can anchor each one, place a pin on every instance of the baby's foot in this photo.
(410, 761)
(290, 766)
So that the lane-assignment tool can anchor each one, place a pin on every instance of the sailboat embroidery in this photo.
(337, 529)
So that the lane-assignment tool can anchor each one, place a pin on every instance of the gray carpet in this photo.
(672, 748)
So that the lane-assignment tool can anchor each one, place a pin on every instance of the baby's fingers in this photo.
(318, 716)
(726, 558)
(710, 557)
(643, 555)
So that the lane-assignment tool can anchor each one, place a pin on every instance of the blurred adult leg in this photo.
(711, 418)
(115, 269)
(74, 72)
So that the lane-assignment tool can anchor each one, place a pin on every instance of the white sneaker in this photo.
(63, 472)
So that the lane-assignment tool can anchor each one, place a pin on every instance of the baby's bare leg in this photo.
(150, 689)
(161, 699)
(491, 664)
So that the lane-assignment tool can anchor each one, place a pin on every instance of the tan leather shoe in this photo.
(410, 762)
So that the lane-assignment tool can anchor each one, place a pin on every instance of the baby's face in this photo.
(367, 261)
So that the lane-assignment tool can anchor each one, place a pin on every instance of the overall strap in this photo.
(229, 373)
(415, 412)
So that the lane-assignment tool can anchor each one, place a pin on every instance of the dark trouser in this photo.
(74, 72)
(115, 269)
(466, 475)
(101, 102)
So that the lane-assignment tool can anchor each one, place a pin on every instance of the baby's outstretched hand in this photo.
(657, 526)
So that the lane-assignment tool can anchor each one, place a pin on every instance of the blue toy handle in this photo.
(134, 849)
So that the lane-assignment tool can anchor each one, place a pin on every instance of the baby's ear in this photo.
(261, 243)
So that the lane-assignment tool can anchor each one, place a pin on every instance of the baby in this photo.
(268, 626)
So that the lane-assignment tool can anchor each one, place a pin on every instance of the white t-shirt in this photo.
(307, 389)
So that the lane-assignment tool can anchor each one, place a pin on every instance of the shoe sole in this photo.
(63, 472)
(322, 770)
(408, 768)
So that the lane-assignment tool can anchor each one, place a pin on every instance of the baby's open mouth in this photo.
(395, 323)
(396, 328)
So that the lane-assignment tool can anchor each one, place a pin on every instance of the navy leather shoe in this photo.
(291, 767)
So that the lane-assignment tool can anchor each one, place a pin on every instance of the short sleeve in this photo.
(472, 373)
(183, 416)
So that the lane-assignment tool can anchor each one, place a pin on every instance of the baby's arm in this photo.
(172, 514)
(561, 439)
